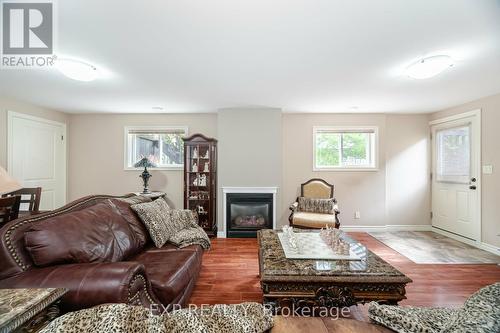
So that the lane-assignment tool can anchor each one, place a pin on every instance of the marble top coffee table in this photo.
(28, 310)
(313, 283)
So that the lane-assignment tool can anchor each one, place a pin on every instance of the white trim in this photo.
(340, 129)
(439, 123)
(228, 189)
(221, 234)
(459, 116)
(126, 129)
(10, 122)
(385, 228)
(478, 244)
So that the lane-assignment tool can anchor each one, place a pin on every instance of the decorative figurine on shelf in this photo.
(195, 152)
(145, 175)
(207, 156)
(201, 210)
(195, 182)
(203, 180)
(195, 167)
(207, 167)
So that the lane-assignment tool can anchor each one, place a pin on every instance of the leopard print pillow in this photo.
(324, 206)
(154, 215)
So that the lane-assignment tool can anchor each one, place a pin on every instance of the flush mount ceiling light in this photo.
(429, 67)
(77, 70)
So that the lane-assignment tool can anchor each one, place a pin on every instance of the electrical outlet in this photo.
(357, 215)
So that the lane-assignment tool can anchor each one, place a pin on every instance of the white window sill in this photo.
(173, 168)
(342, 169)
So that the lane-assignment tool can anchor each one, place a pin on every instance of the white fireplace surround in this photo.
(226, 190)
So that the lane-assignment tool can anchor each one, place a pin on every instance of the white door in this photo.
(455, 175)
(37, 157)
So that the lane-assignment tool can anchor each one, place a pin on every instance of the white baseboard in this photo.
(221, 234)
(478, 244)
(490, 248)
(382, 228)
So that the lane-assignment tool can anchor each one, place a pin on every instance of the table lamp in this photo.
(145, 175)
(7, 183)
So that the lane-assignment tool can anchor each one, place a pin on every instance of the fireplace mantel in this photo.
(231, 189)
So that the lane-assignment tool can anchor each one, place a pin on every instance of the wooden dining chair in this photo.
(30, 196)
(9, 208)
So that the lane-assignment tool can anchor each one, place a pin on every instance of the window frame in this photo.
(342, 129)
(126, 147)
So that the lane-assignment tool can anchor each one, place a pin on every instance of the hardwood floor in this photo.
(230, 275)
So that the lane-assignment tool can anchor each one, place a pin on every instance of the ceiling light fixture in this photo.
(158, 108)
(77, 70)
(429, 67)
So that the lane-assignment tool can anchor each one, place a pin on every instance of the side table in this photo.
(28, 310)
(153, 195)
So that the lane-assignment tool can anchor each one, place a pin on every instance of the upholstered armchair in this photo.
(316, 207)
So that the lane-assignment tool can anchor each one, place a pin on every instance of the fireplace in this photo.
(248, 212)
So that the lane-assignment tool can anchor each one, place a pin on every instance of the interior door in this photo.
(455, 176)
(37, 157)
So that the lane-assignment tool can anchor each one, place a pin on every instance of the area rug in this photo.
(426, 247)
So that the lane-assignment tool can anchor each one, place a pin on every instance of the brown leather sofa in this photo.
(97, 248)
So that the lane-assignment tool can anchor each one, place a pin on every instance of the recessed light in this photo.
(77, 70)
(429, 67)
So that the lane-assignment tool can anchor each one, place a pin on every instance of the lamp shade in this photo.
(144, 162)
(7, 183)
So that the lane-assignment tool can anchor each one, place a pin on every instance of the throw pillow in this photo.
(98, 233)
(311, 205)
(154, 215)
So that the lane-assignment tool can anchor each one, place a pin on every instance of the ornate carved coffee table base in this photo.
(315, 297)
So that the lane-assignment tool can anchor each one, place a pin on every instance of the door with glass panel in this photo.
(455, 176)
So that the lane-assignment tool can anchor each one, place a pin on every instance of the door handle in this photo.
(472, 187)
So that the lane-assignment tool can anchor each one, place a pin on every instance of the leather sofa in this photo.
(99, 250)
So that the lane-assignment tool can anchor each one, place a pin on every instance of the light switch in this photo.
(487, 169)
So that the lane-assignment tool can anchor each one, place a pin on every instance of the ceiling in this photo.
(297, 55)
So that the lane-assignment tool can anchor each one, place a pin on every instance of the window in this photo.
(161, 145)
(348, 148)
(453, 155)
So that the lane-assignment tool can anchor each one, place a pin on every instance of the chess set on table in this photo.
(326, 244)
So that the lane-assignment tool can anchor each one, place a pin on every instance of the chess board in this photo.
(311, 246)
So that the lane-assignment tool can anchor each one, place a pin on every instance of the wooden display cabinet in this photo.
(200, 180)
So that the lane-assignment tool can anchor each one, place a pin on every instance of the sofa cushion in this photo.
(313, 220)
(170, 270)
(154, 216)
(123, 206)
(324, 206)
(98, 233)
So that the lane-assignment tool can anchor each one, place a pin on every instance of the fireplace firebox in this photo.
(248, 212)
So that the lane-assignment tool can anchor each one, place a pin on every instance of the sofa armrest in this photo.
(90, 284)
(293, 207)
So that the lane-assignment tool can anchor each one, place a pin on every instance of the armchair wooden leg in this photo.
(337, 221)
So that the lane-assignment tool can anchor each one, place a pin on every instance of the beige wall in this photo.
(407, 170)
(490, 155)
(377, 195)
(9, 104)
(96, 153)
(250, 151)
